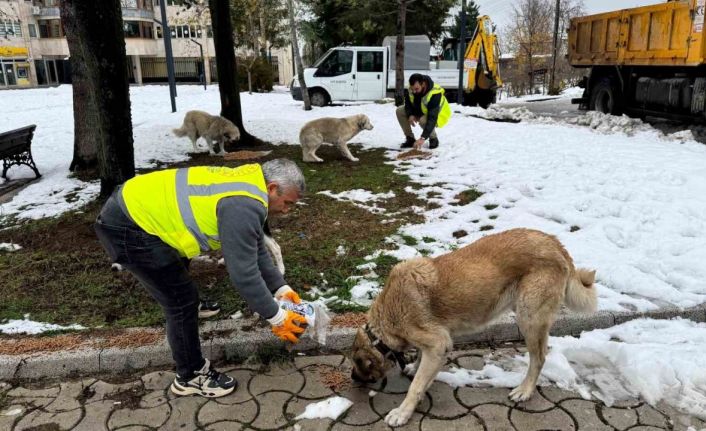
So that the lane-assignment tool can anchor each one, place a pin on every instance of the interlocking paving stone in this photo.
(135, 428)
(313, 387)
(305, 361)
(223, 426)
(292, 381)
(64, 420)
(536, 403)
(646, 428)
(34, 393)
(153, 417)
(102, 390)
(444, 404)
(648, 415)
(585, 414)
(554, 420)
(271, 410)
(157, 380)
(555, 394)
(619, 418)
(383, 403)
(7, 421)
(95, 417)
(68, 394)
(153, 399)
(494, 416)
(396, 383)
(474, 396)
(212, 412)
(377, 426)
(465, 423)
(360, 413)
(314, 424)
(471, 362)
(183, 412)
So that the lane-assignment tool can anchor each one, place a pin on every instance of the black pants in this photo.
(164, 273)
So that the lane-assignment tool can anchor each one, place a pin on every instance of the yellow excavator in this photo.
(482, 63)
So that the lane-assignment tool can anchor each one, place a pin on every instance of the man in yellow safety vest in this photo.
(424, 103)
(154, 223)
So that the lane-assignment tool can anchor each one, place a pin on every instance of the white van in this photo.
(363, 73)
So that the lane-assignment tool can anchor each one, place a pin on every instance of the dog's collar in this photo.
(383, 348)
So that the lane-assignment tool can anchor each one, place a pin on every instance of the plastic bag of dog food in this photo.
(317, 318)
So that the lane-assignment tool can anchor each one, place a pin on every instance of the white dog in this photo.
(337, 131)
(213, 128)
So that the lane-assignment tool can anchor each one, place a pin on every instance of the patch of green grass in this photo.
(409, 240)
(493, 217)
(272, 353)
(486, 227)
(428, 239)
(62, 275)
(574, 228)
(467, 196)
(490, 206)
(345, 307)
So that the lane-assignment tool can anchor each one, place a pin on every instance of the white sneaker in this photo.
(206, 382)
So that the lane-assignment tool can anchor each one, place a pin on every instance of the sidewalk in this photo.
(270, 397)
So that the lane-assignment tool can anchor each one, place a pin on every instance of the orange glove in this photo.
(284, 325)
(285, 293)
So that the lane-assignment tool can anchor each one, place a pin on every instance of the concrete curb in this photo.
(240, 344)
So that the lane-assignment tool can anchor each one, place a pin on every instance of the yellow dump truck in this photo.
(643, 61)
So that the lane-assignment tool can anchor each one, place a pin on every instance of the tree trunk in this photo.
(399, 55)
(298, 57)
(250, 80)
(227, 69)
(102, 116)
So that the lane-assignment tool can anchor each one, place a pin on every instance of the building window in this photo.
(138, 29)
(209, 31)
(10, 28)
(129, 3)
(50, 28)
(159, 32)
(175, 2)
(32, 30)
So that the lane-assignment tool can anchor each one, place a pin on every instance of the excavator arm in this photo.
(481, 61)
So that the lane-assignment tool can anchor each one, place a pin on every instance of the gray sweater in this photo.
(240, 222)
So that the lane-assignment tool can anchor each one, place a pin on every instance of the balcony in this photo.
(45, 12)
(138, 13)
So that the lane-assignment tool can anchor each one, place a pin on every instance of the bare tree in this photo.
(530, 35)
(102, 119)
(298, 57)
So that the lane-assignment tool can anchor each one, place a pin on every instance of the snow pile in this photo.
(361, 198)
(330, 408)
(8, 246)
(27, 326)
(498, 113)
(605, 123)
(656, 360)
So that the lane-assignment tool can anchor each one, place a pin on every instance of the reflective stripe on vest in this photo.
(184, 191)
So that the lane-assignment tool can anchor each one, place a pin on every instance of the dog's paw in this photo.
(354, 159)
(410, 370)
(520, 394)
(397, 417)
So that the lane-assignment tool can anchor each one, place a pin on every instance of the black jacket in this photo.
(433, 107)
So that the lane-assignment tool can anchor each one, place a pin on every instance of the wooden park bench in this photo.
(15, 149)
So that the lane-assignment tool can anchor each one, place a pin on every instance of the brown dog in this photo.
(337, 131)
(426, 302)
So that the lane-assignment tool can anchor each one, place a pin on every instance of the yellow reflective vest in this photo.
(179, 205)
(445, 109)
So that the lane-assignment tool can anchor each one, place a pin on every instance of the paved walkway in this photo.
(271, 397)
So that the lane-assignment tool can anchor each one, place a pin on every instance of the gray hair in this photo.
(285, 173)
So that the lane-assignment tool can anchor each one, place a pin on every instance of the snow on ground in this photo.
(655, 360)
(361, 198)
(330, 408)
(27, 326)
(8, 246)
(629, 205)
(565, 94)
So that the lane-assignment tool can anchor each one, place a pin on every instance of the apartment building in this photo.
(34, 52)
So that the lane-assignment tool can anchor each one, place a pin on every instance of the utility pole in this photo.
(167, 34)
(552, 77)
(461, 53)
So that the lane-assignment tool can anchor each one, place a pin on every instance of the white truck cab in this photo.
(367, 73)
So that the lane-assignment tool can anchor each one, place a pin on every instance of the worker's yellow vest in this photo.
(179, 205)
(445, 109)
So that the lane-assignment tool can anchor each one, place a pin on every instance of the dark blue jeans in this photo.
(164, 273)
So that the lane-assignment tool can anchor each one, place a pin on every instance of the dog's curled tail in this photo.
(180, 132)
(580, 291)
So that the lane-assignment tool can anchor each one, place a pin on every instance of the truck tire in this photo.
(319, 98)
(606, 98)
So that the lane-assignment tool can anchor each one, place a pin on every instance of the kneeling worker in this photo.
(424, 102)
(153, 223)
